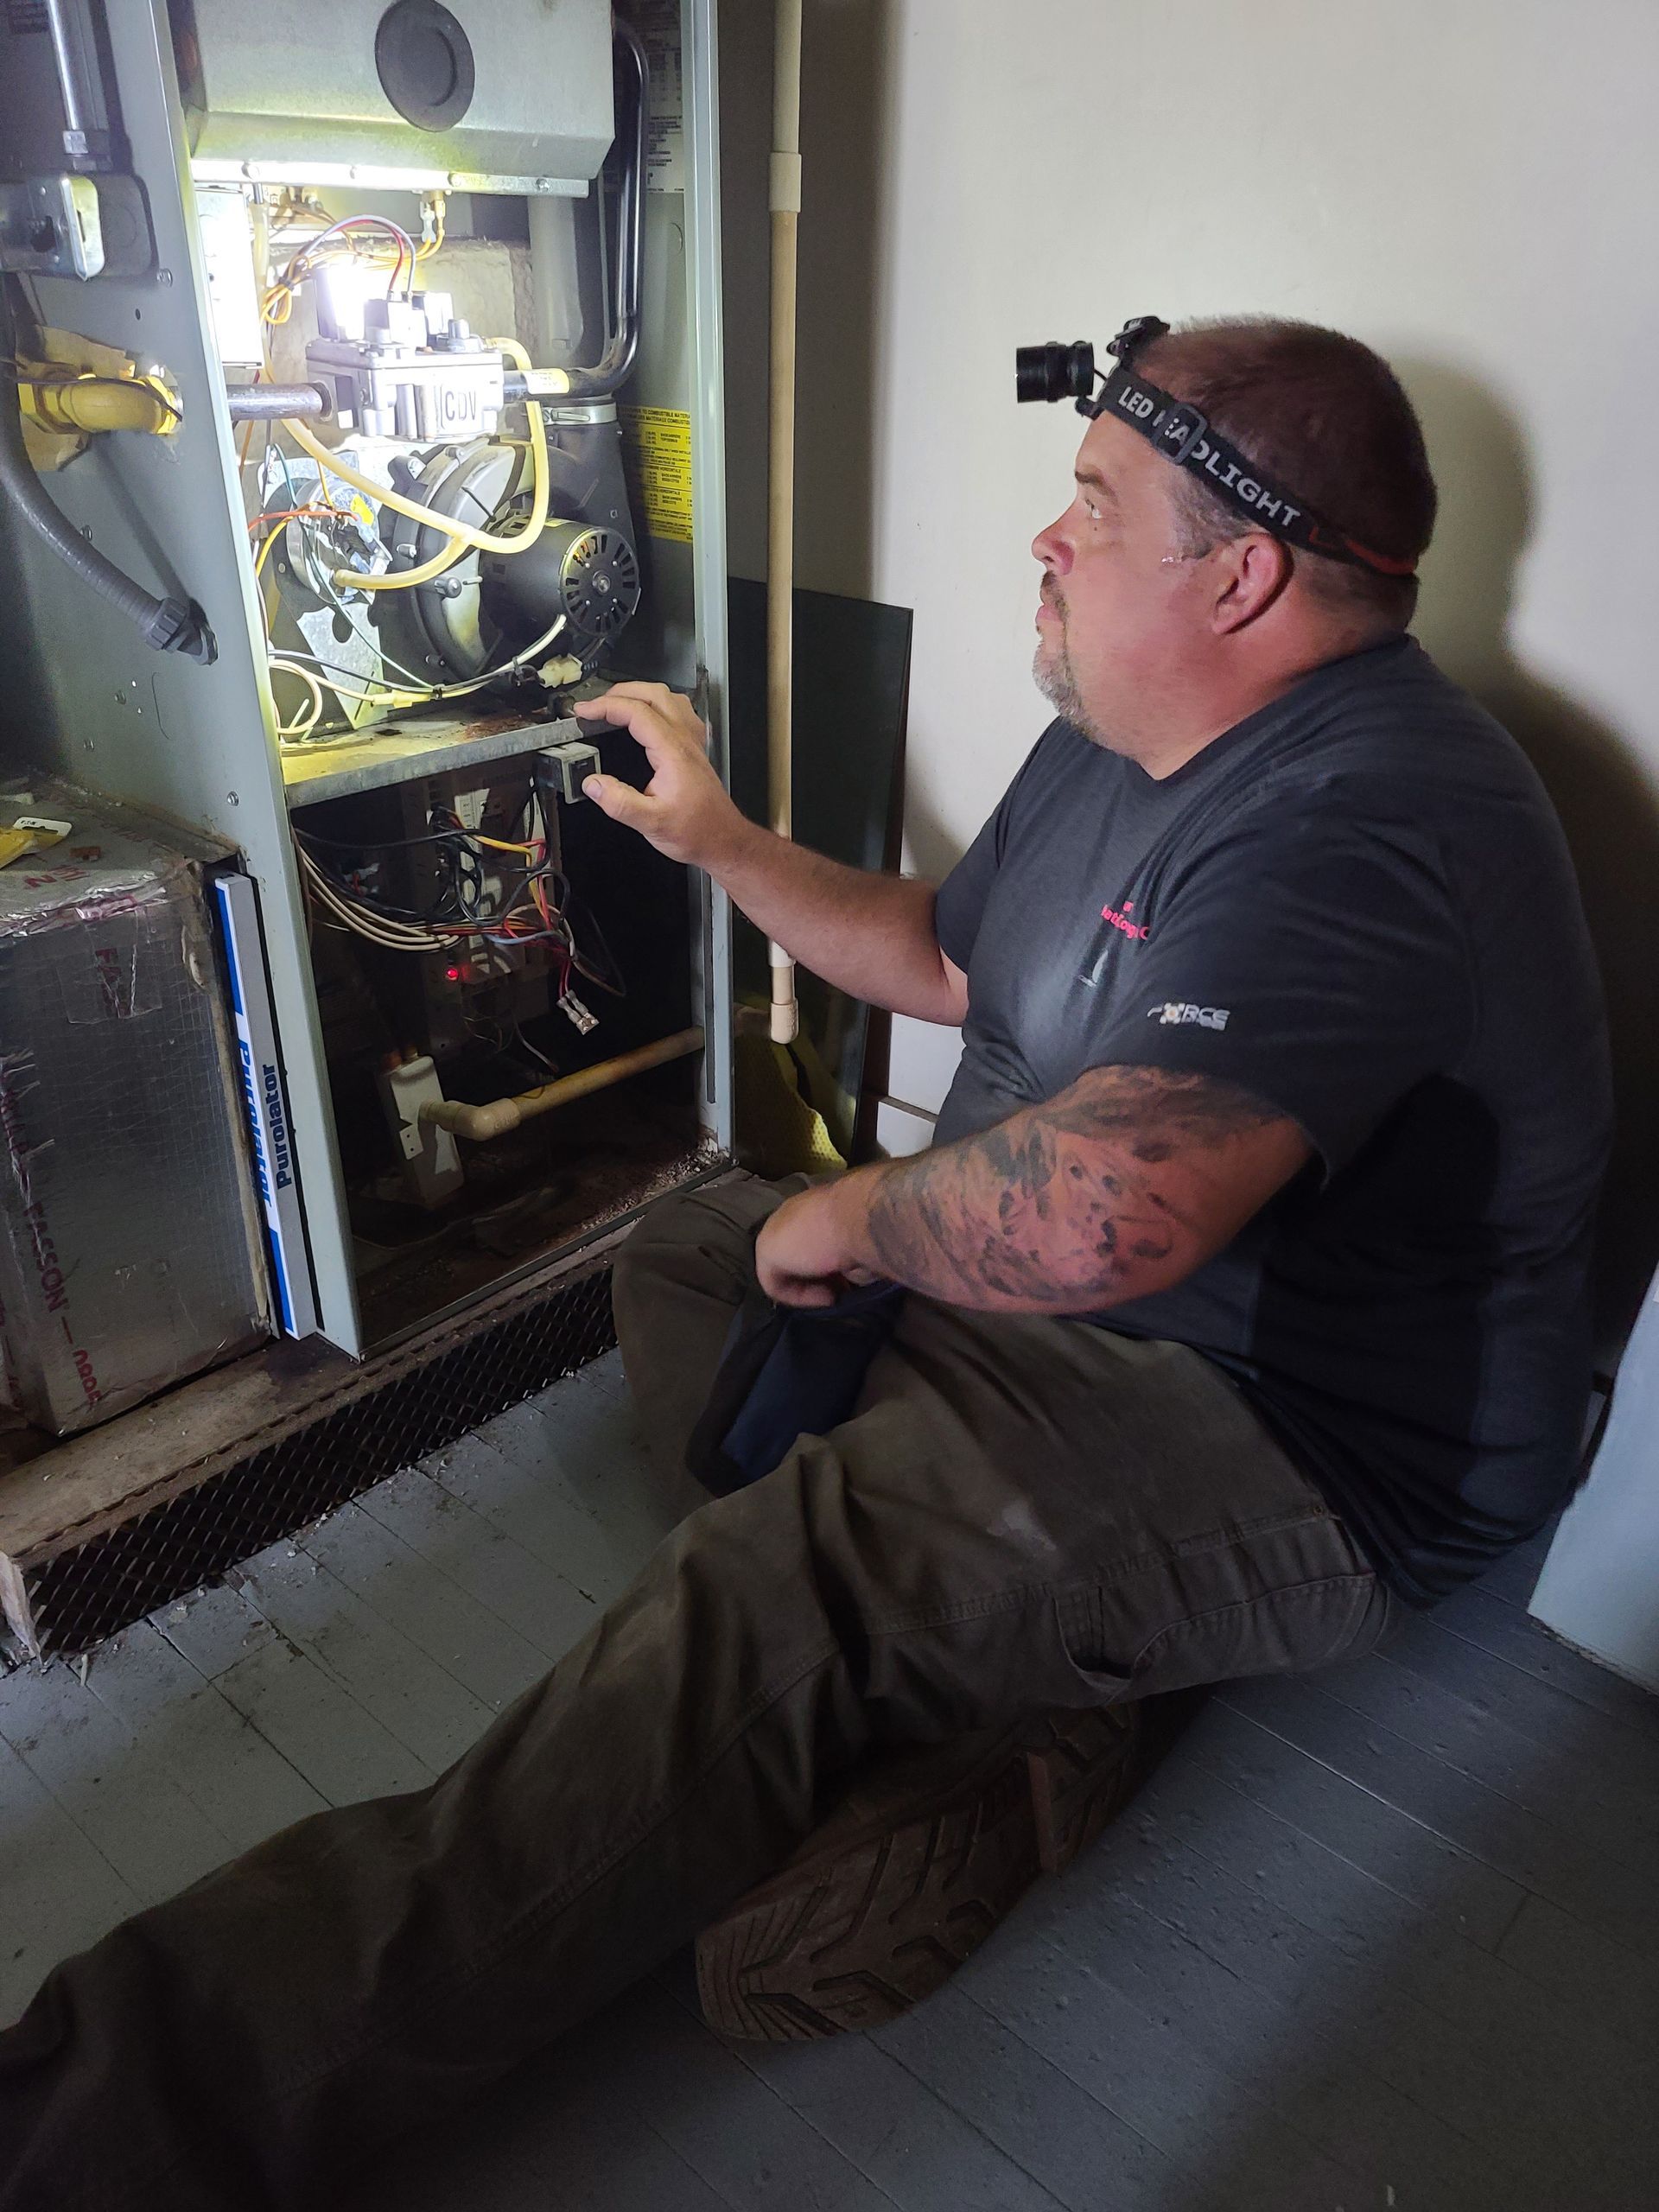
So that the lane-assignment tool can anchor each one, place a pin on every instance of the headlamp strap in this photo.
(1183, 434)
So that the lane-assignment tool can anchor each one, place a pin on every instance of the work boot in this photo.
(924, 1854)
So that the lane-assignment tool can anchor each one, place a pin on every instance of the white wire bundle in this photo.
(298, 730)
(295, 731)
(384, 930)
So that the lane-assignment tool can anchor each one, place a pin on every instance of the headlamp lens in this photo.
(1054, 371)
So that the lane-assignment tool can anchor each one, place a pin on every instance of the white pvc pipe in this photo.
(479, 1123)
(785, 198)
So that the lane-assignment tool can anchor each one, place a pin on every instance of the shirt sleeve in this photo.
(960, 904)
(1318, 962)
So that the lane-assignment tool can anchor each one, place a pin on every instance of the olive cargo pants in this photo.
(1023, 1514)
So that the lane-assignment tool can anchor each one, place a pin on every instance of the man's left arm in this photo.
(1119, 1187)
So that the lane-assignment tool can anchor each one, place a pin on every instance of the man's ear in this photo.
(1251, 574)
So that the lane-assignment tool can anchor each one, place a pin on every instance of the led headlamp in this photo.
(1183, 434)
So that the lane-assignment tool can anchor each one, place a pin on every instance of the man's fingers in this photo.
(797, 1290)
(623, 708)
(641, 718)
(651, 695)
(620, 800)
(658, 718)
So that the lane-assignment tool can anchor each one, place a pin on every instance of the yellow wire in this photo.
(406, 579)
(265, 553)
(485, 541)
(260, 560)
(462, 537)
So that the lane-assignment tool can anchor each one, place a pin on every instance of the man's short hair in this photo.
(1326, 419)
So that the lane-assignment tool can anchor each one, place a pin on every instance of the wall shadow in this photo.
(843, 103)
(25, 686)
(1608, 807)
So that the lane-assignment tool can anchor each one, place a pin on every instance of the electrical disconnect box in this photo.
(373, 351)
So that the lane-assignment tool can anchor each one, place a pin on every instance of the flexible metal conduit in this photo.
(169, 625)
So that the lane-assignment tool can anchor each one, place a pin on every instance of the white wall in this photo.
(1468, 184)
(1599, 1588)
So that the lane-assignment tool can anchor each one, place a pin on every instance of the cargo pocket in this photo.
(1288, 1632)
(1095, 1661)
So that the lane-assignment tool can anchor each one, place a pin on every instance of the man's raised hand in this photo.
(684, 811)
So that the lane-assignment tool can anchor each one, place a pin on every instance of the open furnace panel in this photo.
(450, 342)
(483, 944)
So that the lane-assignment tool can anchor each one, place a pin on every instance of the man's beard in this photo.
(1051, 667)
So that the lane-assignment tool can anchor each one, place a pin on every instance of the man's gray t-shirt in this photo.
(1356, 905)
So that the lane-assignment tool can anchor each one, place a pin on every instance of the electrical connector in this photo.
(574, 1011)
(570, 763)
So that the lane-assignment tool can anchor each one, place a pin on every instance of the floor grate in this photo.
(77, 1597)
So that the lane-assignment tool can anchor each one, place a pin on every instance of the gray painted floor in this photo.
(1389, 1937)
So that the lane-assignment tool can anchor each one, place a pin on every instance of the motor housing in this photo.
(590, 572)
(584, 566)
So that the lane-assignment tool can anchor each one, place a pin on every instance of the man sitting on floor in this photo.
(1246, 1305)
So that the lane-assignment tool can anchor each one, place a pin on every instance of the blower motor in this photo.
(583, 566)
(589, 572)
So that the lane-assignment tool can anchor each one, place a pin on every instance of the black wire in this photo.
(372, 906)
(618, 990)
(376, 844)
(451, 904)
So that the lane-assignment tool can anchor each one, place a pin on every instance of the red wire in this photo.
(295, 514)
(377, 223)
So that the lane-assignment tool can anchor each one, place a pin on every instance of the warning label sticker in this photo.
(657, 22)
(657, 448)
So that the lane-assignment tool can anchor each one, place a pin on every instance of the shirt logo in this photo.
(1120, 920)
(1172, 1012)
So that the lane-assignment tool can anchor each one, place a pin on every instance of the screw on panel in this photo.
(233, 798)
(163, 278)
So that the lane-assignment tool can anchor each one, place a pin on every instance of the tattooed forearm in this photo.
(1119, 1186)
